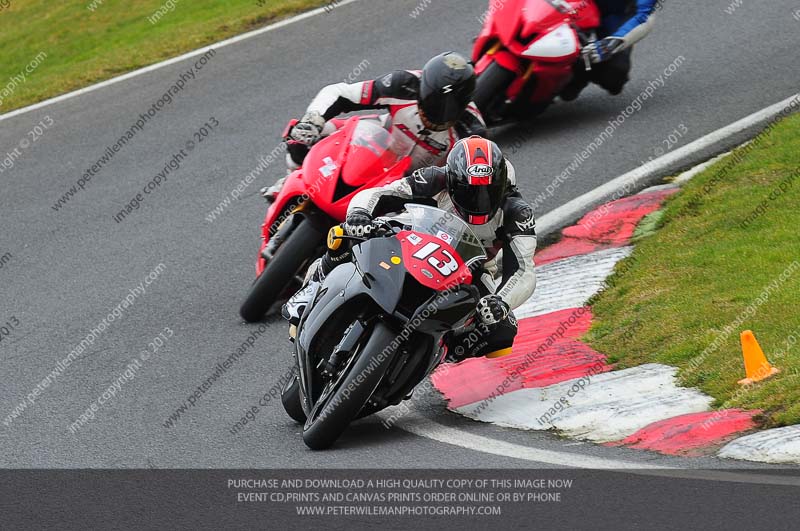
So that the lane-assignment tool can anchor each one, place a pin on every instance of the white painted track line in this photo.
(172, 61)
(419, 425)
(424, 427)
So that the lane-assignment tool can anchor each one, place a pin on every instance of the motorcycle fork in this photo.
(396, 372)
(283, 230)
(330, 366)
(408, 369)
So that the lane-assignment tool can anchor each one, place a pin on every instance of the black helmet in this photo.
(446, 88)
(477, 179)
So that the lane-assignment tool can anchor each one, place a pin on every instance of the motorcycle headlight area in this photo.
(558, 43)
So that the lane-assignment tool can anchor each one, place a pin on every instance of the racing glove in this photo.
(492, 309)
(308, 130)
(358, 223)
(602, 50)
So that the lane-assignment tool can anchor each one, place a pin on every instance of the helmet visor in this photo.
(434, 126)
(479, 202)
(442, 108)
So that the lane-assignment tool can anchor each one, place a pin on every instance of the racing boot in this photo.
(493, 341)
(337, 253)
(270, 193)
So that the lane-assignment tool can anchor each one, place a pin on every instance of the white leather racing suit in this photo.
(397, 92)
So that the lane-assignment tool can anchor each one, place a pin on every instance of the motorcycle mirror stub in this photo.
(563, 6)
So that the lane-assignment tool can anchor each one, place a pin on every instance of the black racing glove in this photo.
(492, 309)
(602, 50)
(358, 223)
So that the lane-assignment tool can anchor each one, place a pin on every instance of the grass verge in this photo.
(73, 43)
(725, 258)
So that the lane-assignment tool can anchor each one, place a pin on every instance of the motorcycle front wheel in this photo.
(345, 395)
(490, 91)
(298, 250)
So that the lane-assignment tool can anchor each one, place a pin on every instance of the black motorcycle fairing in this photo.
(423, 336)
(453, 311)
(354, 297)
(446, 310)
(368, 286)
(335, 306)
(383, 279)
(412, 363)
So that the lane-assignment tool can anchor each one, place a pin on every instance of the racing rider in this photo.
(622, 23)
(429, 111)
(479, 185)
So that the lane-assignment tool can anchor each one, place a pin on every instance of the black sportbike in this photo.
(377, 325)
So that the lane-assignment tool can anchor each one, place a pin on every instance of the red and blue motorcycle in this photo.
(526, 51)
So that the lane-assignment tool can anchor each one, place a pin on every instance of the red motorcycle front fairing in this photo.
(432, 261)
(516, 24)
(347, 164)
(335, 169)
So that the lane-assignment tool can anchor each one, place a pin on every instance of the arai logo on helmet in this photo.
(480, 170)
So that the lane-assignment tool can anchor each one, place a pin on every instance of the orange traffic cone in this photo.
(756, 365)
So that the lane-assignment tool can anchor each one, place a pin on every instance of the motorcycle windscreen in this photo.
(448, 226)
(507, 18)
(540, 16)
(371, 154)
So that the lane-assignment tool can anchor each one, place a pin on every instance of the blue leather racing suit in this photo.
(623, 23)
(629, 20)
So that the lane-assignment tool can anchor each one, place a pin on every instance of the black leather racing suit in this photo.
(509, 237)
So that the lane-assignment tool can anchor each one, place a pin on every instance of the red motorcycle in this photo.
(357, 156)
(525, 53)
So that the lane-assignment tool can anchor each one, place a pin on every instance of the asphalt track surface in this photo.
(70, 268)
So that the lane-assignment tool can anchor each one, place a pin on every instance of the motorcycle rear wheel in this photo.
(298, 250)
(341, 404)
